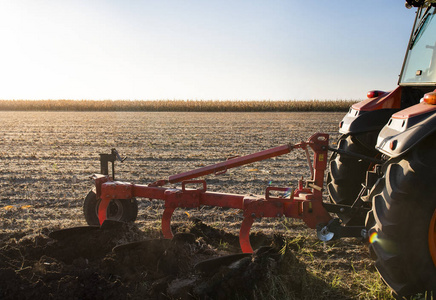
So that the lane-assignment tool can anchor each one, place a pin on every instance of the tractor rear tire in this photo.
(347, 174)
(402, 216)
(125, 210)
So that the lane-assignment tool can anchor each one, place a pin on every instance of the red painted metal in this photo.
(304, 203)
(110, 190)
(244, 234)
(386, 100)
(220, 168)
(415, 110)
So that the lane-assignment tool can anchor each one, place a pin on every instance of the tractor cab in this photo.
(419, 68)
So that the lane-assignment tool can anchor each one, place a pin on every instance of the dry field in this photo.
(45, 162)
(177, 105)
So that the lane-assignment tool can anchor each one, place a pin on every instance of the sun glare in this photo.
(373, 237)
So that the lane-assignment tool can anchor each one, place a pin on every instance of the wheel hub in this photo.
(114, 210)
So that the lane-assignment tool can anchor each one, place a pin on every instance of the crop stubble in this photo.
(47, 157)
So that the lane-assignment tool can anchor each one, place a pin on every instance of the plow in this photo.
(117, 199)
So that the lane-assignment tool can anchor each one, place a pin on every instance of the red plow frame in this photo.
(304, 202)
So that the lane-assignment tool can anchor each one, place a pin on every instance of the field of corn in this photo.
(175, 105)
(45, 162)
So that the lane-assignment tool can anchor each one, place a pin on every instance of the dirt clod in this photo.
(121, 261)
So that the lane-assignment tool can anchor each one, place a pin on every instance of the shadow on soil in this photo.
(118, 261)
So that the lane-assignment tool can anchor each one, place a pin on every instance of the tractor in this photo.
(399, 128)
(377, 183)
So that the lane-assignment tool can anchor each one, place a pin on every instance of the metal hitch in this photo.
(334, 230)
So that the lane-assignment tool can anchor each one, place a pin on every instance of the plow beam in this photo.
(304, 206)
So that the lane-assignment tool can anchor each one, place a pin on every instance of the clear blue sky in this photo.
(191, 49)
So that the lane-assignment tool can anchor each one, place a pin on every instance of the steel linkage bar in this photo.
(231, 163)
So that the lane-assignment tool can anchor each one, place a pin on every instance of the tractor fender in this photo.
(406, 129)
(371, 114)
(356, 121)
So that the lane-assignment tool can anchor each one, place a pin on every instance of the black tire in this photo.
(346, 175)
(404, 201)
(125, 210)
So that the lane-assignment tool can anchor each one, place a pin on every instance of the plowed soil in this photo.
(46, 159)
